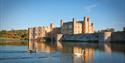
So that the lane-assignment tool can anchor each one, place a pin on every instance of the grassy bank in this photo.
(14, 43)
(11, 41)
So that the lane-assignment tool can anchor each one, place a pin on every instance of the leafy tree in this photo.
(14, 34)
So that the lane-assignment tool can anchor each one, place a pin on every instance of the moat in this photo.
(66, 52)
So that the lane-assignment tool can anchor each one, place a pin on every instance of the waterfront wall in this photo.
(100, 37)
(118, 36)
(104, 36)
(80, 37)
(59, 37)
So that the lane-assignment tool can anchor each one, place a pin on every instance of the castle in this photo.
(73, 27)
(77, 27)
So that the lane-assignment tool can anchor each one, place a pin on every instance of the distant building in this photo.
(77, 27)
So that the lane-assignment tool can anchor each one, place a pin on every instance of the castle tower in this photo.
(85, 25)
(73, 24)
(92, 28)
(61, 22)
(89, 25)
(35, 31)
(30, 36)
(52, 25)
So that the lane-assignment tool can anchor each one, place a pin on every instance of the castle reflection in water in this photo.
(77, 53)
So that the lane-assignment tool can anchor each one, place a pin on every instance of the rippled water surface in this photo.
(63, 53)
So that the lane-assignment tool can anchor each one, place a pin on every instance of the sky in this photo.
(21, 14)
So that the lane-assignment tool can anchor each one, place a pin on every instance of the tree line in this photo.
(14, 34)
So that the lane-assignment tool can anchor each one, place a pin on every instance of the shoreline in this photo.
(14, 43)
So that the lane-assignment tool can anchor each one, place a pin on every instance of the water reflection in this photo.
(78, 54)
(63, 52)
(75, 52)
(83, 54)
(107, 48)
(38, 46)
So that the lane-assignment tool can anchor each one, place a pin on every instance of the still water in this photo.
(63, 53)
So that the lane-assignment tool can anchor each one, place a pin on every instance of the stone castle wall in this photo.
(104, 36)
(118, 36)
(100, 37)
(80, 37)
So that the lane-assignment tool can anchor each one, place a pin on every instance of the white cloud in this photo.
(89, 8)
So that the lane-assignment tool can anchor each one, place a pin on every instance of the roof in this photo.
(72, 22)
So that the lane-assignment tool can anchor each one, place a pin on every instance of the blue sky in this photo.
(21, 14)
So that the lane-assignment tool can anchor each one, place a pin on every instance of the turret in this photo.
(89, 25)
(52, 25)
(85, 25)
(62, 21)
(85, 18)
(92, 28)
(88, 19)
(73, 19)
